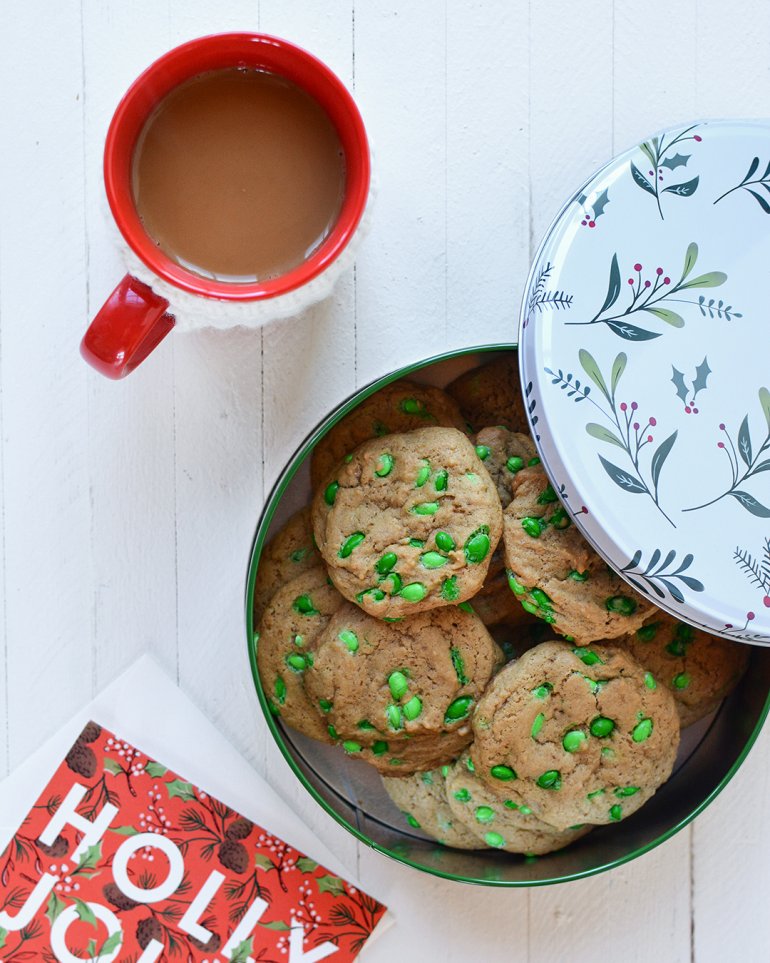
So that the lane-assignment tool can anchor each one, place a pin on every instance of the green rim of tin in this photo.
(271, 503)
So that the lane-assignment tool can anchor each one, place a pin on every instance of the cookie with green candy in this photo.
(491, 394)
(400, 695)
(504, 454)
(699, 669)
(289, 553)
(576, 734)
(288, 636)
(398, 407)
(422, 800)
(409, 523)
(498, 822)
(556, 575)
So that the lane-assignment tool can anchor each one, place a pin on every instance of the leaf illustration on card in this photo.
(751, 504)
(622, 478)
(641, 180)
(683, 190)
(699, 383)
(662, 163)
(184, 790)
(749, 183)
(660, 577)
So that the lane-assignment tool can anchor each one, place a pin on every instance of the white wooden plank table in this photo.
(128, 509)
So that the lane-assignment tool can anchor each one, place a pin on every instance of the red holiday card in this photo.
(121, 859)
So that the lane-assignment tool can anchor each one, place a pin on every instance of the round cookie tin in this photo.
(351, 792)
(644, 360)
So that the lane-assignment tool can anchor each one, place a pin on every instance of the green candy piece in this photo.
(412, 821)
(433, 560)
(573, 740)
(423, 474)
(394, 717)
(616, 812)
(445, 542)
(482, 451)
(377, 594)
(578, 576)
(469, 765)
(304, 605)
(543, 691)
(441, 481)
(411, 406)
(533, 461)
(325, 705)
(332, 732)
(386, 563)
(534, 527)
(484, 814)
(392, 583)
(529, 607)
(330, 493)
(543, 600)
(503, 773)
(601, 727)
(365, 725)
(412, 708)
(595, 684)
(537, 725)
(298, 640)
(514, 584)
(349, 458)
(677, 648)
(449, 590)
(351, 542)
(595, 793)
(297, 663)
(413, 592)
(649, 681)
(560, 519)
(642, 730)
(350, 746)
(610, 753)
(387, 618)
(379, 748)
(380, 429)
(588, 656)
(459, 666)
(622, 791)
(458, 709)
(274, 710)
(445, 770)
(279, 687)
(395, 762)
(550, 779)
(425, 508)
(349, 639)
(546, 496)
(525, 810)
(510, 804)
(621, 604)
(417, 542)
(398, 684)
(299, 554)
(514, 464)
(465, 607)
(384, 465)
(477, 545)
(681, 680)
(648, 632)
(495, 840)
(462, 795)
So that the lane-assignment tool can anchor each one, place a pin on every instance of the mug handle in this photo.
(132, 321)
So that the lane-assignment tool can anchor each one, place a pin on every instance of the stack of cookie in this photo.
(376, 608)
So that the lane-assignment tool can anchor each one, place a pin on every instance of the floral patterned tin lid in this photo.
(645, 357)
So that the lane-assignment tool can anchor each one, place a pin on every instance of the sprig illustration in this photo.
(541, 298)
(626, 430)
(658, 153)
(593, 211)
(650, 296)
(754, 459)
(756, 570)
(750, 181)
(688, 395)
(657, 575)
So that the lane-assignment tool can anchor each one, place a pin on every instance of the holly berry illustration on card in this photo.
(121, 859)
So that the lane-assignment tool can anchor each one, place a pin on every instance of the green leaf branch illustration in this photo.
(660, 577)
(756, 570)
(699, 383)
(655, 297)
(625, 429)
(746, 460)
(662, 163)
(749, 182)
(542, 298)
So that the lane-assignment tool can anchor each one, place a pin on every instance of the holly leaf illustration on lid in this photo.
(681, 387)
(179, 788)
(678, 160)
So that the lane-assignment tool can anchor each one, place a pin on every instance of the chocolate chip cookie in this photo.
(289, 553)
(423, 801)
(498, 822)
(699, 669)
(400, 695)
(491, 394)
(288, 636)
(398, 407)
(556, 575)
(578, 735)
(409, 523)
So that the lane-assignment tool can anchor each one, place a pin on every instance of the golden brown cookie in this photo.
(423, 801)
(505, 453)
(698, 668)
(500, 823)
(491, 394)
(289, 553)
(288, 636)
(398, 407)
(409, 523)
(556, 575)
(400, 695)
(578, 735)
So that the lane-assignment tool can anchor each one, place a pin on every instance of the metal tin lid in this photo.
(645, 356)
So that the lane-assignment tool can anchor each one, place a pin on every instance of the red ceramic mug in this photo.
(140, 311)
